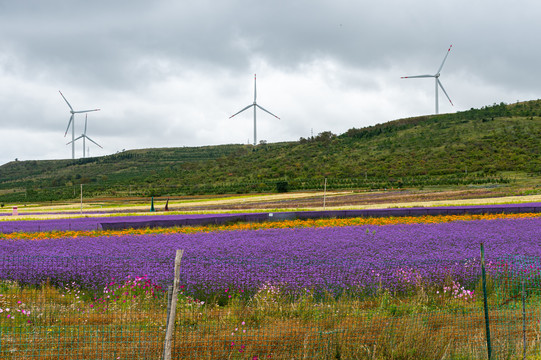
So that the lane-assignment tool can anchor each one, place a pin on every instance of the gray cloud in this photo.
(169, 73)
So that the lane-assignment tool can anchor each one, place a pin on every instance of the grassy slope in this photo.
(489, 140)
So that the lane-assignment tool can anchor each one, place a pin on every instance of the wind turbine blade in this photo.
(267, 111)
(69, 123)
(86, 119)
(445, 92)
(247, 107)
(255, 87)
(85, 111)
(93, 141)
(445, 58)
(74, 140)
(417, 76)
(65, 100)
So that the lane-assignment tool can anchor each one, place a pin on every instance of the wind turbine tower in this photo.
(84, 138)
(437, 80)
(255, 105)
(72, 123)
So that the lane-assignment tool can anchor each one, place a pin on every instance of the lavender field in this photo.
(87, 223)
(401, 291)
(356, 259)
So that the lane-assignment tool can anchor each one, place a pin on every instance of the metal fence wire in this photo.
(81, 308)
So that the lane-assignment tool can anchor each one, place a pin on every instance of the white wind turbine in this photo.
(255, 105)
(436, 77)
(84, 138)
(72, 123)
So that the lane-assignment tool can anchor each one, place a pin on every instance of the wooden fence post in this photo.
(485, 301)
(172, 314)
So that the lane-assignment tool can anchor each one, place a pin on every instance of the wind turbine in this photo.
(72, 123)
(84, 138)
(255, 105)
(436, 77)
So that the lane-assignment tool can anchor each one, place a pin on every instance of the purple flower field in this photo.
(86, 223)
(356, 259)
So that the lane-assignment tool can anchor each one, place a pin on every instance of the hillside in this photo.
(470, 147)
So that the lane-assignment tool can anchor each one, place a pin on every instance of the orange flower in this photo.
(381, 221)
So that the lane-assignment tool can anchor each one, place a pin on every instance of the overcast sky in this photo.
(171, 73)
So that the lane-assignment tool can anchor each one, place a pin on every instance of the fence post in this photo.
(523, 319)
(172, 313)
(487, 325)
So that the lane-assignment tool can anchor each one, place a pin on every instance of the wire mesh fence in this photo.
(55, 307)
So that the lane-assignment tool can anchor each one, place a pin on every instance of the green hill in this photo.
(471, 147)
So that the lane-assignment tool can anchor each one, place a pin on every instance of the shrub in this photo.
(282, 186)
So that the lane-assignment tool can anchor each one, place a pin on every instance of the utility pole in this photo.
(324, 193)
(81, 199)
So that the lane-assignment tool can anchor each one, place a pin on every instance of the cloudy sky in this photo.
(170, 73)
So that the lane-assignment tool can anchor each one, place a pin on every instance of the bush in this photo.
(282, 186)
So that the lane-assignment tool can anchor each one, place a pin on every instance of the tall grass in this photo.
(127, 321)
